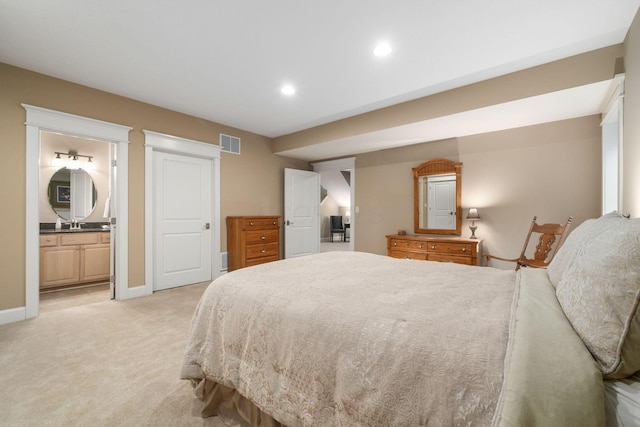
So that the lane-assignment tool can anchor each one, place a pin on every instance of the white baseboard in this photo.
(138, 291)
(12, 315)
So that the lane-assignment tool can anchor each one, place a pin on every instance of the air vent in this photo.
(230, 144)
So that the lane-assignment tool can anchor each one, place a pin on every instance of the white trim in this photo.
(41, 119)
(12, 315)
(348, 163)
(174, 144)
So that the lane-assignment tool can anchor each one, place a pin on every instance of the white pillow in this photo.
(597, 279)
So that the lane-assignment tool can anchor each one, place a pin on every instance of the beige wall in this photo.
(251, 183)
(631, 149)
(551, 170)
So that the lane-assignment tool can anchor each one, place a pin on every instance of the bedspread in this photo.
(347, 338)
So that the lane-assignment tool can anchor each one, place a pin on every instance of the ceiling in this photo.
(226, 61)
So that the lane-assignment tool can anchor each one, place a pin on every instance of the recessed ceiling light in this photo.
(382, 49)
(288, 90)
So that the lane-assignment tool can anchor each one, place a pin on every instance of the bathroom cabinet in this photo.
(68, 259)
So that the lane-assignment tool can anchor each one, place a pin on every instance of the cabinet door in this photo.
(59, 266)
(94, 263)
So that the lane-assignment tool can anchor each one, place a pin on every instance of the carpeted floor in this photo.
(111, 363)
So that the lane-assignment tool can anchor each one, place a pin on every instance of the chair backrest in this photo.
(550, 238)
(336, 222)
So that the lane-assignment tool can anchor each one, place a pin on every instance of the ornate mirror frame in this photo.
(437, 167)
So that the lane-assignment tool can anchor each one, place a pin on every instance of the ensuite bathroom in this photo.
(74, 216)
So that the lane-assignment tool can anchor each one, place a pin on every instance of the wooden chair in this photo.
(337, 227)
(545, 249)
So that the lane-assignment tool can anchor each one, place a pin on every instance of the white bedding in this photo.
(623, 402)
(349, 338)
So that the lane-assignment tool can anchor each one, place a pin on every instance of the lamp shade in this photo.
(473, 214)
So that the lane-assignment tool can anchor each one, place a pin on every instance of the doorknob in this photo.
(289, 222)
(207, 226)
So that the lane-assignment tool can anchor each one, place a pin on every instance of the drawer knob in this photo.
(395, 243)
(263, 250)
(464, 249)
(251, 223)
(420, 246)
(433, 247)
(263, 237)
(274, 223)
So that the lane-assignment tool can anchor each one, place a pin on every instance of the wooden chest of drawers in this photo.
(447, 249)
(252, 240)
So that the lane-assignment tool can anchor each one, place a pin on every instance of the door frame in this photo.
(42, 119)
(155, 141)
(348, 163)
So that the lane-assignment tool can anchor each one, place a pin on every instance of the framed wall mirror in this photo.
(437, 194)
(72, 194)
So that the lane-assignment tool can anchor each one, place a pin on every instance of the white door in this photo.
(182, 206)
(301, 213)
(442, 202)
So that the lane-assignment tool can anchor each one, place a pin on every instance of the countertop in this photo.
(67, 230)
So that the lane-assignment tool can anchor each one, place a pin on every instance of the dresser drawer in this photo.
(267, 249)
(451, 248)
(262, 236)
(442, 257)
(408, 254)
(262, 260)
(408, 245)
(259, 223)
(48, 240)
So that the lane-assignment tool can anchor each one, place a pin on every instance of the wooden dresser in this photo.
(447, 249)
(252, 240)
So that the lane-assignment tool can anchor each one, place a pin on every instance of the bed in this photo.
(357, 339)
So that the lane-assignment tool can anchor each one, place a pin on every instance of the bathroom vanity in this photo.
(73, 258)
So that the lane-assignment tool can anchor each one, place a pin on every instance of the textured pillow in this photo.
(572, 244)
(598, 287)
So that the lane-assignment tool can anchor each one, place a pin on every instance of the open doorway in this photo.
(39, 120)
(337, 222)
(74, 221)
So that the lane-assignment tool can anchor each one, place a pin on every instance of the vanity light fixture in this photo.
(72, 161)
(473, 216)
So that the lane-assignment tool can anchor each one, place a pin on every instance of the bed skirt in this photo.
(228, 404)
